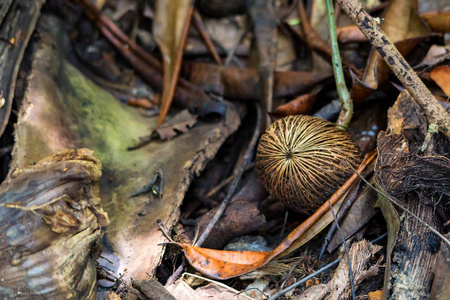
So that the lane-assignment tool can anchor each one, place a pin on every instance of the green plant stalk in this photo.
(346, 113)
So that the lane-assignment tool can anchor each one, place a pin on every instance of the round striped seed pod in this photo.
(303, 160)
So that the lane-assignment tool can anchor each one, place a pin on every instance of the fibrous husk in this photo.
(302, 160)
(50, 227)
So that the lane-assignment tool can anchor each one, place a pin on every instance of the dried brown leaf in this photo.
(437, 21)
(243, 83)
(170, 28)
(349, 34)
(400, 23)
(299, 106)
(441, 75)
(180, 123)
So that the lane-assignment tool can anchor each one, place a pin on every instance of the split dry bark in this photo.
(417, 180)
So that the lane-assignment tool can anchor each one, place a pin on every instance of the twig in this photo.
(177, 273)
(235, 181)
(346, 113)
(408, 77)
(227, 181)
(347, 252)
(379, 238)
(230, 54)
(198, 23)
(286, 214)
(282, 292)
(323, 269)
(164, 230)
(352, 196)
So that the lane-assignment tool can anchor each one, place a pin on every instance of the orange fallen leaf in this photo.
(221, 264)
(404, 28)
(348, 34)
(375, 295)
(140, 102)
(299, 106)
(441, 75)
(437, 21)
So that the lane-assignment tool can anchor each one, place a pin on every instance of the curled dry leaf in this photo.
(180, 123)
(170, 28)
(301, 105)
(141, 102)
(379, 71)
(241, 83)
(437, 21)
(401, 24)
(441, 75)
(220, 264)
(348, 34)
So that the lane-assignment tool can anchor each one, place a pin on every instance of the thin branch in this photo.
(282, 292)
(345, 207)
(408, 77)
(198, 23)
(227, 181)
(235, 181)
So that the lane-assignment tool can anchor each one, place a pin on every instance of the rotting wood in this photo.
(415, 179)
(17, 21)
(63, 109)
(50, 228)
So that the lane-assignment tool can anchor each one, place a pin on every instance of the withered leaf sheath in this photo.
(302, 161)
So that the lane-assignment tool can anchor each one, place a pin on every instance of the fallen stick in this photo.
(369, 26)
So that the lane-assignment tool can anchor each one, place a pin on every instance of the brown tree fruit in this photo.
(302, 160)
